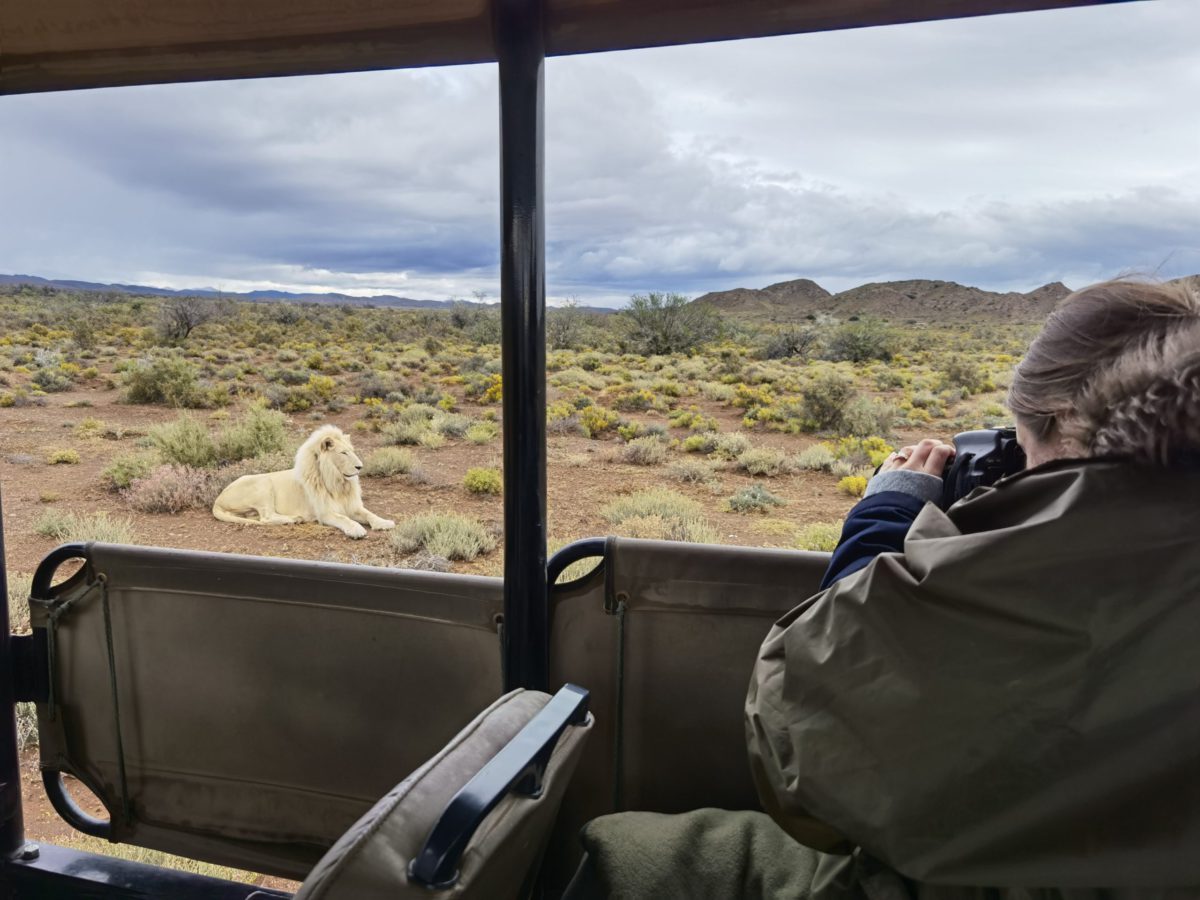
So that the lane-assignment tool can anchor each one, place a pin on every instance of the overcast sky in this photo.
(1003, 152)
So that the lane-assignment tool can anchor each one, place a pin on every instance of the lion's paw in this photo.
(383, 524)
(356, 532)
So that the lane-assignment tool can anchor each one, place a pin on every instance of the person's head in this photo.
(1115, 371)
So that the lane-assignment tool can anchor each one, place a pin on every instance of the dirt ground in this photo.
(583, 475)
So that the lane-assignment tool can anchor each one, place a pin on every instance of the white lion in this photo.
(321, 487)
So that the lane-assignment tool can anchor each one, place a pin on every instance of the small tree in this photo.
(564, 326)
(861, 341)
(180, 316)
(791, 342)
(668, 323)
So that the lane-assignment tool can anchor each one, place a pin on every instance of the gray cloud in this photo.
(1003, 152)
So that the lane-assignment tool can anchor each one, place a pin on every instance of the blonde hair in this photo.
(1116, 370)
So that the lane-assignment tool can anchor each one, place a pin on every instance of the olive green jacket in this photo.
(1013, 701)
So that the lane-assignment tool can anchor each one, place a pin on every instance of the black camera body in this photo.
(980, 458)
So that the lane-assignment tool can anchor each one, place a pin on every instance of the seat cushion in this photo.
(370, 861)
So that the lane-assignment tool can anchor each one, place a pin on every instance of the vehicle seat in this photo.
(491, 776)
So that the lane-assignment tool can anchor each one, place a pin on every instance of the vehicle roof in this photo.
(51, 45)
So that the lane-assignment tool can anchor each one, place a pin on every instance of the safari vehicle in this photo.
(260, 712)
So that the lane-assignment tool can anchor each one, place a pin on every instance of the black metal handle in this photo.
(519, 766)
(70, 811)
(43, 577)
(573, 553)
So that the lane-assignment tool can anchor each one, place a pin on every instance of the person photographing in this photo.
(996, 697)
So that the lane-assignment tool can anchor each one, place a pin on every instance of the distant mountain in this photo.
(783, 298)
(388, 300)
(917, 299)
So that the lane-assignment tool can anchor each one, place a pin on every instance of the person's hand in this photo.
(929, 456)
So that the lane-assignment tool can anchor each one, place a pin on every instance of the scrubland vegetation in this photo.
(667, 421)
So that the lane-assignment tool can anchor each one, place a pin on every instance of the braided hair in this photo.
(1116, 372)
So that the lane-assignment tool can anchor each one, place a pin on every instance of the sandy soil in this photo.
(583, 475)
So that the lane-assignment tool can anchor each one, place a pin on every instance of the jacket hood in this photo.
(1013, 701)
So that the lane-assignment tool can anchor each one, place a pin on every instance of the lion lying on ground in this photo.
(321, 487)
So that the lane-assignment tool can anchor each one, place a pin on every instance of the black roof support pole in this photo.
(521, 53)
(12, 823)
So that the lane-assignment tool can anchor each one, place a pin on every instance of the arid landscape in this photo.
(125, 415)
(749, 417)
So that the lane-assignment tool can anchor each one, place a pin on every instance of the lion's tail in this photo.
(226, 516)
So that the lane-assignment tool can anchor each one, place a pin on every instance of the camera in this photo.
(980, 458)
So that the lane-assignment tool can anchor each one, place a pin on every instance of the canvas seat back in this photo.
(665, 636)
(247, 711)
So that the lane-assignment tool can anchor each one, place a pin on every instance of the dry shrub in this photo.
(729, 446)
(73, 528)
(820, 536)
(644, 451)
(660, 514)
(763, 461)
(388, 461)
(817, 458)
(451, 536)
(483, 432)
(171, 489)
(692, 471)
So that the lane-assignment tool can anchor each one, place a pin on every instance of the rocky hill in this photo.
(919, 299)
(784, 297)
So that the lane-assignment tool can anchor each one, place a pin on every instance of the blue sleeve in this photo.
(876, 525)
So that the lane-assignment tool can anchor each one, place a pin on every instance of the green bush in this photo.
(482, 432)
(484, 481)
(861, 341)
(961, 372)
(755, 498)
(450, 536)
(258, 432)
(388, 461)
(170, 381)
(596, 421)
(71, 528)
(634, 401)
(184, 441)
(668, 323)
(125, 469)
(405, 433)
(824, 400)
(62, 458)
(820, 536)
(449, 424)
(50, 381)
(865, 416)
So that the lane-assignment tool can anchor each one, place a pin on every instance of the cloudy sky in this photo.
(1004, 152)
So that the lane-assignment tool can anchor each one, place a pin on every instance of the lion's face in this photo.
(339, 458)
